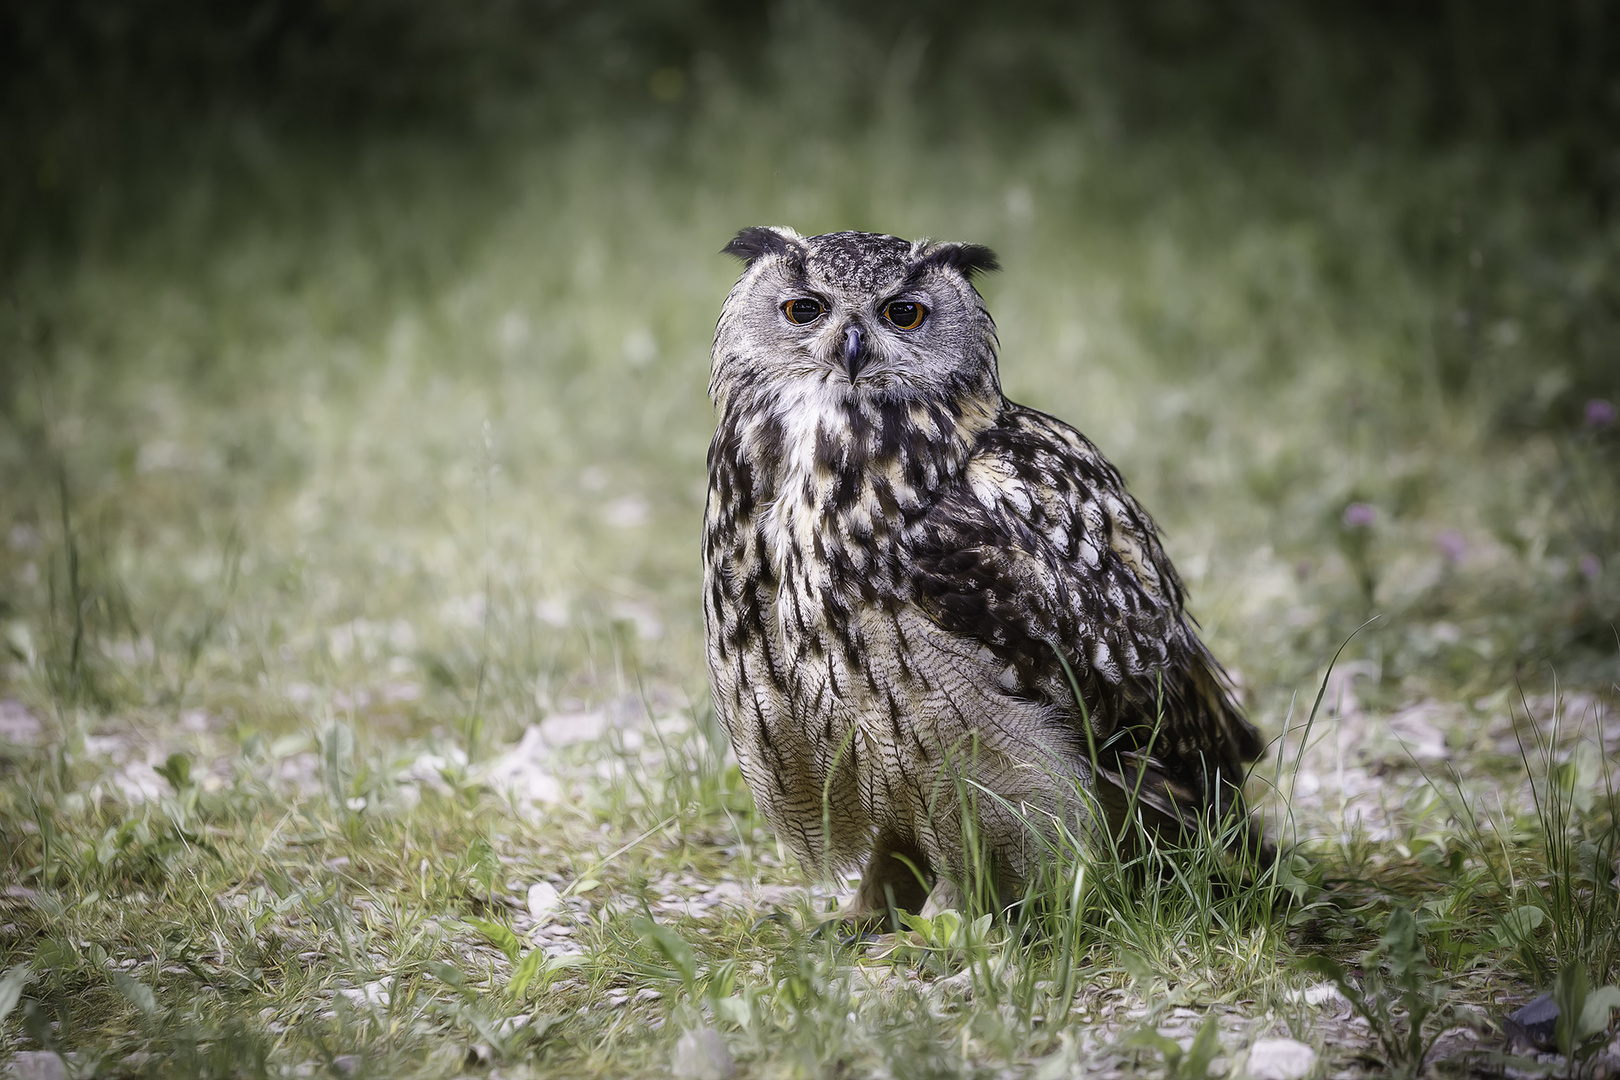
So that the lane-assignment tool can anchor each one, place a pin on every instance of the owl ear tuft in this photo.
(761, 240)
(967, 259)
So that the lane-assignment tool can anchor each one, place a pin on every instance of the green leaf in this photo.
(722, 979)
(177, 771)
(1149, 1039)
(288, 745)
(1137, 968)
(500, 936)
(524, 973)
(1595, 1013)
(136, 993)
(447, 973)
(337, 757)
(1518, 925)
(673, 947)
(734, 1010)
(1577, 778)
(56, 954)
(11, 987)
(1206, 1047)
(567, 960)
(1569, 992)
(540, 1025)
(1400, 945)
(484, 863)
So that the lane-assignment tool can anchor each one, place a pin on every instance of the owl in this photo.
(930, 613)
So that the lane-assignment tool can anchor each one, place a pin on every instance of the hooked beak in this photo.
(855, 354)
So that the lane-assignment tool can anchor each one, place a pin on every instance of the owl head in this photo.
(854, 315)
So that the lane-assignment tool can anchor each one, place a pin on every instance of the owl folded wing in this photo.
(1039, 555)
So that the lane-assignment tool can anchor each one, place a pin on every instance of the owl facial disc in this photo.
(853, 316)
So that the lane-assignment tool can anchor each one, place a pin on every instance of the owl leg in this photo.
(897, 874)
(946, 895)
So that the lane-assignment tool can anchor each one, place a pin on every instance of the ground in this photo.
(353, 718)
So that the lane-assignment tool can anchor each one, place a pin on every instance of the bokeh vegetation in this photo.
(352, 424)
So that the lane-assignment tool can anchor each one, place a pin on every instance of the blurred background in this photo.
(356, 350)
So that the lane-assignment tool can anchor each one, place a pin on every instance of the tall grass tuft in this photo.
(1572, 878)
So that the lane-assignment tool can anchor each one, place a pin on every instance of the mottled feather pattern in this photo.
(896, 558)
(1055, 558)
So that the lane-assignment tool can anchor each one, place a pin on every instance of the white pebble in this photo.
(543, 901)
(1280, 1059)
(36, 1065)
(700, 1055)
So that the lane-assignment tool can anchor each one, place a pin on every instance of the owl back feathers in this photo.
(1042, 556)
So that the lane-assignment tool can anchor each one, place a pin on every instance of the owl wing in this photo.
(1040, 555)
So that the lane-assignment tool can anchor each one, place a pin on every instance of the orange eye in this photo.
(803, 310)
(905, 314)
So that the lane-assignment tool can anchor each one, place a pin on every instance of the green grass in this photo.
(326, 485)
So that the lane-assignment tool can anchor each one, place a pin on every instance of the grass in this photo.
(329, 483)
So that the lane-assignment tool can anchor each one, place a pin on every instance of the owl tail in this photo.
(1213, 705)
(1138, 795)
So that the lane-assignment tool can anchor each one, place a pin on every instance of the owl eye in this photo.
(803, 310)
(905, 314)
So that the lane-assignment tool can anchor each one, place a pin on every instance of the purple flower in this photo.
(1599, 413)
(1452, 545)
(1360, 515)
(1591, 569)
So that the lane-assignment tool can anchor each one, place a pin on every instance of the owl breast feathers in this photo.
(914, 587)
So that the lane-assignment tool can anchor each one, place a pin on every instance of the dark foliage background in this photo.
(93, 88)
(104, 102)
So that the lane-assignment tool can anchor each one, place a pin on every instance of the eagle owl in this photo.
(907, 579)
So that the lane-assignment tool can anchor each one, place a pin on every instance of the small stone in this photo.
(543, 901)
(17, 724)
(374, 994)
(1280, 1059)
(1533, 1023)
(521, 773)
(1323, 994)
(566, 729)
(700, 1055)
(38, 1065)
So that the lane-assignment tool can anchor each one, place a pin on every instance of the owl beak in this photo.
(855, 355)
